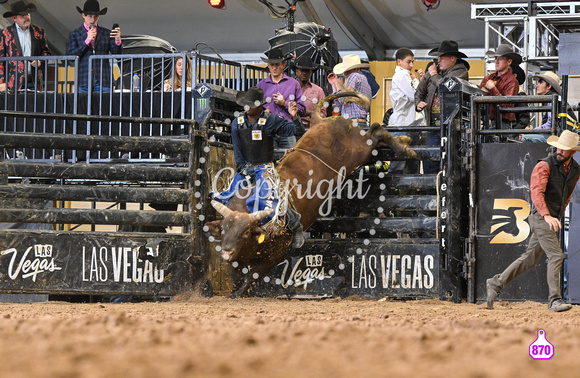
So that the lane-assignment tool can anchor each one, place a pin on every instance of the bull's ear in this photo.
(215, 227)
(258, 234)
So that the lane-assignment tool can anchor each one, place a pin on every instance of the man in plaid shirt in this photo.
(91, 39)
(347, 76)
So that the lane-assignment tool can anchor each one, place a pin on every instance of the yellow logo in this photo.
(509, 221)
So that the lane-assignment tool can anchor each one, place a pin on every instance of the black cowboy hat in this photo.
(447, 47)
(520, 74)
(274, 56)
(92, 7)
(305, 63)
(253, 97)
(507, 51)
(20, 8)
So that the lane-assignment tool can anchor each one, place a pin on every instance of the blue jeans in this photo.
(433, 139)
(96, 88)
(535, 138)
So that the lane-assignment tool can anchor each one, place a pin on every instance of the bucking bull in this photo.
(331, 147)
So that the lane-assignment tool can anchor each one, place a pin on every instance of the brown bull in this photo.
(331, 147)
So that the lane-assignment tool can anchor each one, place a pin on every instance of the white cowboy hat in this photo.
(568, 140)
(552, 79)
(349, 62)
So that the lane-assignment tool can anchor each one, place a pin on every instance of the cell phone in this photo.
(115, 26)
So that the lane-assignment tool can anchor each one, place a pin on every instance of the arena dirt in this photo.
(221, 337)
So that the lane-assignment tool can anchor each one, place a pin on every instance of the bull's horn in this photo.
(261, 215)
(221, 208)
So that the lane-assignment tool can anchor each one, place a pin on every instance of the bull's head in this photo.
(238, 231)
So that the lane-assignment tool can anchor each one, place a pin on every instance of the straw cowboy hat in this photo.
(253, 97)
(349, 62)
(92, 7)
(552, 79)
(274, 56)
(20, 8)
(447, 47)
(506, 51)
(568, 140)
(305, 63)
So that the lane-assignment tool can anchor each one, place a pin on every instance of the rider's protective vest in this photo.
(257, 145)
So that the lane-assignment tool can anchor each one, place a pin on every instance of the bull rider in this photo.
(253, 135)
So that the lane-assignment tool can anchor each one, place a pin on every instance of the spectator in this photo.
(279, 91)
(548, 84)
(552, 183)
(91, 39)
(312, 94)
(22, 39)
(450, 64)
(502, 82)
(175, 82)
(347, 76)
(403, 99)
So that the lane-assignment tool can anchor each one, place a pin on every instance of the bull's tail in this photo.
(358, 98)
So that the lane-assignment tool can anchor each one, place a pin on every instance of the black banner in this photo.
(503, 206)
(77, 263)
(400, 268)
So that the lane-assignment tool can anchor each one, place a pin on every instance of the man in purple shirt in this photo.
(279, 90)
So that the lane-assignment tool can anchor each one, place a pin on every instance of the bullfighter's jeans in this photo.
(543, 240)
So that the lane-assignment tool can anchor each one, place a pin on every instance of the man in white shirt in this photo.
(403, 100)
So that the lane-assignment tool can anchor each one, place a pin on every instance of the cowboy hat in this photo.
(568, 140)
(92, 7)
(520, 74)
(253, 97)
(552, 79)
(305, 63)
(274, 56)
(20, 8)
(349, 62)
(447, 47)
(507, 51)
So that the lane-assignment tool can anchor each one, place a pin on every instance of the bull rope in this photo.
(277, 224)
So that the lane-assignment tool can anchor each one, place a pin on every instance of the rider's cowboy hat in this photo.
(20, 8)
(568, 140)
(349, 62)
(447, 47)
(552, 79)
(253, 97)
(92, 7)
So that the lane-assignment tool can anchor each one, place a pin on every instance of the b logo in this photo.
(509, 221)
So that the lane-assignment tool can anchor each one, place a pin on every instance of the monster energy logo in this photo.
(203, 103)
